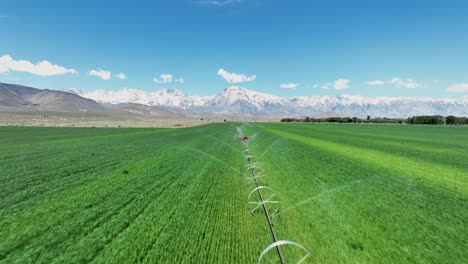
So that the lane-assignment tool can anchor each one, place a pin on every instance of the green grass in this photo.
(367, 194)
(348, 193)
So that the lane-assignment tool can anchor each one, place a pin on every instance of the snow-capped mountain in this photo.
(170, 98)
(237, 100)
(381, 106)
(73, 91)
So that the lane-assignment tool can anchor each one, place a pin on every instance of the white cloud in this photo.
(121, 76)
(399, 82)
(458, 88)
(408, 83)
(164, 78)
(289, 85)
(105, 75)
(231, 77)
(396, 81)
(411, 84)
(376, 82)
(168, 78)
(3, 68)
(341, 84)
(326, 86)
(41, 68)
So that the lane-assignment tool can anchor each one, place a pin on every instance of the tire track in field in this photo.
(83, 226)
(59, 221)
(411, 149)
(174, 212)
(441, 175)
(23, 197)
(61, 178)
(202, 221)
(78, 150)
(68, 140)
(141, 210)
(147, 249)
(413, 139)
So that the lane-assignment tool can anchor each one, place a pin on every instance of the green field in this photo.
(348, 193)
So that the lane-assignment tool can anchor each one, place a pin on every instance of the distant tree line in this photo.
(426, 120)
(455, 120)
(423, 120)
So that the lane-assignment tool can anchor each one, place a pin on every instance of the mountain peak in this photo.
(235, 88)
(73, 91)
(238, 100)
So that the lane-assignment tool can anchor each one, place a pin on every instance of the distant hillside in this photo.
(25, 98)
(18, 98)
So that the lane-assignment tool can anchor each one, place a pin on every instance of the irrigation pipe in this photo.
(265, 208)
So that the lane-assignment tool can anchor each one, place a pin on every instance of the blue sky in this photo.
(315, 47)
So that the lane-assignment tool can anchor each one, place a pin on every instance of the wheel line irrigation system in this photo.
(263, 203)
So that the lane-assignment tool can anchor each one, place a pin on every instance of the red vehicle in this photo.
(244, 138)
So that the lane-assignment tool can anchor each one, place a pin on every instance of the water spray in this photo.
(263, 203)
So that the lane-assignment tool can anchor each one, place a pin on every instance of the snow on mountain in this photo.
(234, 94)
(237, 100)
(200, 100)
(170, 98)
(73, 91)
(380, 106)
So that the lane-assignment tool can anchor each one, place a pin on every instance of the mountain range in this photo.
(17, 98)
(232, 102)
(240, 101)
